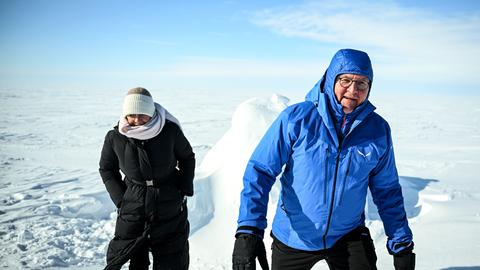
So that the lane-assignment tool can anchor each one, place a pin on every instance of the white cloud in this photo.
(400, 40)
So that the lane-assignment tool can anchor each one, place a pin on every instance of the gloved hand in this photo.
(405, 261)
(247, 248)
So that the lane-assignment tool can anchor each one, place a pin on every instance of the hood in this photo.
(344, 61)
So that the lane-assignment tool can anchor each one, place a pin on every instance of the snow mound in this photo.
(221, 173)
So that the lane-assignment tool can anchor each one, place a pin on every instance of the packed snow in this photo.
(55, 212)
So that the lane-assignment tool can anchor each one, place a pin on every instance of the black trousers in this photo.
(161, 261)
(354, 251)
(167, 238)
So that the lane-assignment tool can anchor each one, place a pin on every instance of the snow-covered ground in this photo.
(55, 213)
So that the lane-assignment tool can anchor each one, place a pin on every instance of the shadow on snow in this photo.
(411, 187)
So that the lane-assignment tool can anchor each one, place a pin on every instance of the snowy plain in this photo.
(56, 214)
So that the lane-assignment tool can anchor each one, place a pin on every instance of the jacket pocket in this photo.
(345, 179)
(325, 180)
(364, 160)
(121, 204)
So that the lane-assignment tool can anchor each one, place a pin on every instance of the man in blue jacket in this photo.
(330, 149)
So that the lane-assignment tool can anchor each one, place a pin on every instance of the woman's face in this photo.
(137, 119)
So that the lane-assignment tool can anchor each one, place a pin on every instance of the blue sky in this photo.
(425, 47)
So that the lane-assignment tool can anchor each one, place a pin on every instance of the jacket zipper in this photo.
(333, 197)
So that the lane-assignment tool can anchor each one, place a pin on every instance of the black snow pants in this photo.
(354, 251)
(171, 261)
(155, 220)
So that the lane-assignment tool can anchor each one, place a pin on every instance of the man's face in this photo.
(351, 90)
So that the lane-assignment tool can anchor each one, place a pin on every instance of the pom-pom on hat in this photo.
(138, 101)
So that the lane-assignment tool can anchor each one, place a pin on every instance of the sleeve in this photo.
(387, 196)
(110, 172)
(186, 163)
(264, 166)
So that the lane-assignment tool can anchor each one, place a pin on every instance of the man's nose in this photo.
(353, 87)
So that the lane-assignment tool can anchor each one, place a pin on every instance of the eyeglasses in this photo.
(346, 82)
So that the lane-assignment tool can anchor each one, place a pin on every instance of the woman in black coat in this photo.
(157, 161)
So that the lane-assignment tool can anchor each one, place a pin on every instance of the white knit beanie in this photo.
(138, 101)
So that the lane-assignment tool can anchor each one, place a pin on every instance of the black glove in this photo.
(405, 261)
(247, 248)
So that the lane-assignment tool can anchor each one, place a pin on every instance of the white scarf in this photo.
(150, 129)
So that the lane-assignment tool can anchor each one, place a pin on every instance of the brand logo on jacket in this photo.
(364, 155)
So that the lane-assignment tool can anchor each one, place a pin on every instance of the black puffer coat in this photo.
(155, 213)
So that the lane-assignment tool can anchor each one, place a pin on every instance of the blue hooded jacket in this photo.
(325, 176)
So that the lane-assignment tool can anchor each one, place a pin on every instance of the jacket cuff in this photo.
(184, 183)
(399, 248)
(250, 230)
